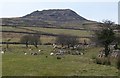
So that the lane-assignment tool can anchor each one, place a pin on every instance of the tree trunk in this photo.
(26, 45)
(73, 47)
(106, 50)
(62, 45)
(36, 45)
(7, 46)
(68, 46)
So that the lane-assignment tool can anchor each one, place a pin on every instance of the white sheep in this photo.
(51, 54)
(81, 53)
(39, 50)
(30, 49)
(2, 52)
(54, 45)
(25, 53)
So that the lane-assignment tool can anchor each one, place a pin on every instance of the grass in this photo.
(15, 63)
(49, 30)
(44, 39)
(59, 31)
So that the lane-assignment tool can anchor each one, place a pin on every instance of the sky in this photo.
(91, 10)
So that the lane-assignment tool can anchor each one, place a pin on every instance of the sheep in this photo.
(39, 50)
(54, 46)
(78, 53)
(115, 53)
(34, 53)
(59, 53)
(30, 49)
(25, 53)
(2, 52)
(51, 54)
(81, 53)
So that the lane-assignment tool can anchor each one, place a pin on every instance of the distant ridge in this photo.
(55, 15)
(65, 18)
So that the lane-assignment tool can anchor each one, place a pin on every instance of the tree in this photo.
(68, 40)
(30, 39)
(108, 24)
(25, 40)
(8, 40)
(35, 40)
(105, 37)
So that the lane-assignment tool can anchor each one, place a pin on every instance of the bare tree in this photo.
(65, 39)
(30, 39)
(25, 40)
(35, 40)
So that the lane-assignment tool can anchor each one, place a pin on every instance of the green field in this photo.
(15, 63)
(15, 37)
(48, 30)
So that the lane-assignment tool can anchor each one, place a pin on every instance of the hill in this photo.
(59, 18)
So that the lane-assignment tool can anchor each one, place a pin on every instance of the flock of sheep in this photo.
(61, 52)
(56, 52)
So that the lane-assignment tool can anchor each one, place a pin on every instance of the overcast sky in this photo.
(92, 10)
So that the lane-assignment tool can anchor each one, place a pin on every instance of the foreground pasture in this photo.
(15, 63)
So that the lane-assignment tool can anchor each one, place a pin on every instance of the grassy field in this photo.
(15, 37)
(48, 30)
(15, 63)
(59, 31)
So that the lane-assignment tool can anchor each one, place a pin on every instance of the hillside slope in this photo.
(64, 18)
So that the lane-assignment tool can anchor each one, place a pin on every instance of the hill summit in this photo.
(61, 15)
(65, 18)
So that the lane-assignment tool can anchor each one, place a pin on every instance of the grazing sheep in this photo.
(30, 49)
(34, 53)
(77, 52)
(2, 52)
(25, 53)
(39, 50)
(115, 53)
(59, 53)
(51, 54)
(81, 53)
(54, 46)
